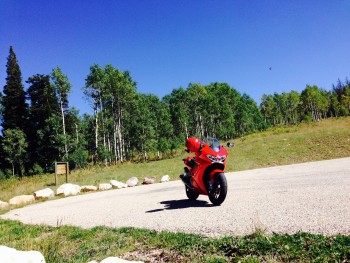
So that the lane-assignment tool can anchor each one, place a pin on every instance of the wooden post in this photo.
(61, 168)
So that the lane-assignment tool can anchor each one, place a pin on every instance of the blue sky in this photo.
(167, 44)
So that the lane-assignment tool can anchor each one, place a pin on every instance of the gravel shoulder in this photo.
(310, 197)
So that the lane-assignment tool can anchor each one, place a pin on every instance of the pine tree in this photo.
(45, 137)
(15, 108)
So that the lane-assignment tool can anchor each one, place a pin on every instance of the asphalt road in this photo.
(311, 197)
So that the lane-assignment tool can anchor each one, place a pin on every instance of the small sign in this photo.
(61, 168)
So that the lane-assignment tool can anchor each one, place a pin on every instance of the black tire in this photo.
(219, 192)
(192, 195)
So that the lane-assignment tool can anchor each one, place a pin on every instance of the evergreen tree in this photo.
(15, 108)
(46, 140)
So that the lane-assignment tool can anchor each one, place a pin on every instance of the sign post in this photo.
(61, 168)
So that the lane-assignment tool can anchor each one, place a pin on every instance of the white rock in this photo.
(165, 179)
(88, 188)
(132, 181)
(117, 184)
(147, 180)
(118, 260)
(22, 199)
(3, 204)
(68, 189)
(104, 186)
(44, 193)
(11, 255)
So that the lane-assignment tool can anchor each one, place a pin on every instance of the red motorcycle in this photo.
(204, 172)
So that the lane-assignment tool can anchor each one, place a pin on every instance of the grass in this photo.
(277, 146)
(73, 244)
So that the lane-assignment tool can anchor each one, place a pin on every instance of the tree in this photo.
(120, 91)
(221, 102)
(249, 117)
(311, 102)
(62, 87)
(15, 108)
(44, 113)
(179, 111)
(293, 106)
(196, 97)
(14, 146)
(94, 91)
(268, 109)
(78, 147)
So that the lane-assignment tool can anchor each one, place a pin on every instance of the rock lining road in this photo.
(310, 197)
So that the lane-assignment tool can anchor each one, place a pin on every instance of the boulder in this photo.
(117, 184)
(11, 255)
(68, 189)
(104, 186)
(44, 193)
(165, 179)
(148, 180)
(118, 260)
(88, 188)
(132, 181)
(22, 199)
(4, 205)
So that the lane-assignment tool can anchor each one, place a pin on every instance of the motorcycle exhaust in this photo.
(186, 180)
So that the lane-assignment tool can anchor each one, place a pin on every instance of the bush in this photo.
(2, 175)
(36, 169)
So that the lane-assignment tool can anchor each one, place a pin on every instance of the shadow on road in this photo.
(180, 204)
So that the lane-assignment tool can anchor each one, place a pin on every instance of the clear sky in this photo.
(166, 44)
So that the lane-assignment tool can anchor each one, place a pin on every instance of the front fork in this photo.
(211, 185)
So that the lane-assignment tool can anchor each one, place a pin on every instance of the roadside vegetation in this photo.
(73, 244)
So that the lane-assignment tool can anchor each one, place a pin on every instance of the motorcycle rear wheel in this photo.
(192, 195)
(218, 194)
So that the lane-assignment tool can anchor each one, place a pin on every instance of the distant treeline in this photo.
(39, 127)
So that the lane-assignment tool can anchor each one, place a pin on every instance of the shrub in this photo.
(36, 169)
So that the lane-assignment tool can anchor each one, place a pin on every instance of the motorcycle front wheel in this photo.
(192, 195)
(219, 191)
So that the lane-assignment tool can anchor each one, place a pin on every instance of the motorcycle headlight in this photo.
(216, 159)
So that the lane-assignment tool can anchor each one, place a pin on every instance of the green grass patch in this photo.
(74, 244)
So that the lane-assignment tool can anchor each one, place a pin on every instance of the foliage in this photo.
(312, 104)
(62, 87)
(36, 170)
(14, 106)
(15, 146)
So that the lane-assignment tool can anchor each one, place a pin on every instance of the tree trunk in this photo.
(96, 132)
(64, 129)
(103, 130)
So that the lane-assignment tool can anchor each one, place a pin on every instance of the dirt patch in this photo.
(155, 255)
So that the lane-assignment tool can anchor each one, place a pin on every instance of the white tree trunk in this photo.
(96, 131)
(64, 129)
